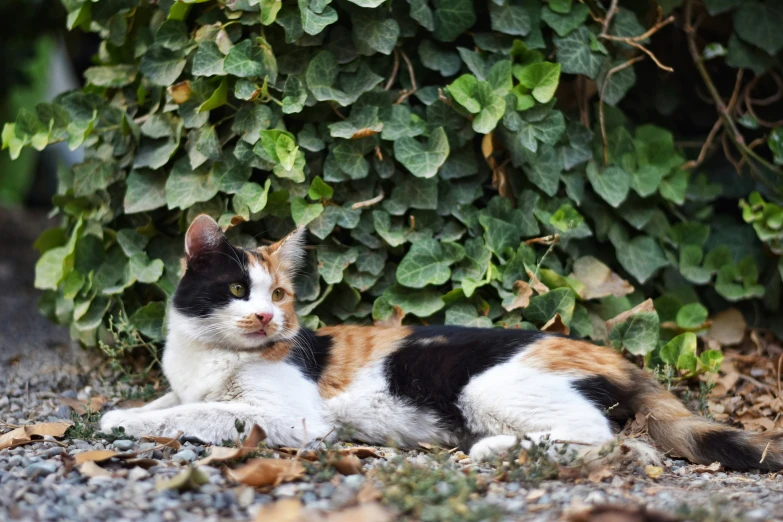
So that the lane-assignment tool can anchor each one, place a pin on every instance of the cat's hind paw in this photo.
(489, 447)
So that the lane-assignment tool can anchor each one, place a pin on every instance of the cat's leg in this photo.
(215, 422)
(112, 418)
(512, 400)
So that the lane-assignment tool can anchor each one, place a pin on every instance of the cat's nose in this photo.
(264, 318)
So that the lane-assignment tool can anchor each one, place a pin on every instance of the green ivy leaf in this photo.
(638, 334)
(208, 60)
(185, 186)
(150, 320)
(680, 352)
(378, 33)
(542, 78)
(452, 18)
(251, 199)
(465, 314)
(691, 316)
(427, 262)
(363, 122)
(144, 269)
(759, 23)
(509, 19)
(575, 55)
(111, 75)
(162, 66)
(423, 160)
(303, 212)
(333, 260)
(612, 184)
(565, 23)
(543, 307)
(146, 191)
(421, 303)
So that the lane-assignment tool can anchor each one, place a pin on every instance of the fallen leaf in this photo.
(131, 403)
(256, 436)
(728, 327)
(188, 479)
(556, 325)
(286, 510)
(25, 434)
(267, 472)
(180, 92)
(426, 445)
(83, 406)
(712, 468)
(599, 280)
(536, 283)
(91, 469)
(142, 463)
(395, 319)
(346, 464)
(600, 475)
(523, 292)
(654, 472)
(368, 493)
(535, 494)
(618, 513)
(360, 451)
(94, 456)
(646, 306)
(371, 512)
(168, 442)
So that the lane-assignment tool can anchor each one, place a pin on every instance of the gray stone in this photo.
(124, 444)
(63, 412)
(186, 455)
(51, 452)
(41, 468)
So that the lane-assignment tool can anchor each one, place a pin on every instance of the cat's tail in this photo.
(675, 430)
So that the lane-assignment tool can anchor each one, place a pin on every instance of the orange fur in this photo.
(354, 347)
(559, 354)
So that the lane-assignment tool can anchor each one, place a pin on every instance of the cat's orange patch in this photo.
(557, 354)
(354, 347)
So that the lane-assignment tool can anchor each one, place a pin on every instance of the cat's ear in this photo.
(290, 249)
(203, 235)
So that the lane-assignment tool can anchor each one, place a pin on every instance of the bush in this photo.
(519, 164)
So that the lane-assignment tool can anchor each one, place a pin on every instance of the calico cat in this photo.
(235, 351)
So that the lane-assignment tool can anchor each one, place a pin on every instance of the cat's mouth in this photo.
(257, 334)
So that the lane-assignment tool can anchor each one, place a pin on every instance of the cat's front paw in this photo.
(125, 419)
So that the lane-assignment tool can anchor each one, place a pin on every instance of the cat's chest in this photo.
(198, 376)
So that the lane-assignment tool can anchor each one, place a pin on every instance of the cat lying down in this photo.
(235, 351)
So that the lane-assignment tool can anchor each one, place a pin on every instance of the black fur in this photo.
(432, 374)
(311, 353)
(606, 396)
(732, 449)
(205, 285)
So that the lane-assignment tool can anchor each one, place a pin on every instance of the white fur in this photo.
(490, 446)
(514, 399)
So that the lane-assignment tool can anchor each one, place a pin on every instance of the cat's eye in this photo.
(278, 294)
(237, 289)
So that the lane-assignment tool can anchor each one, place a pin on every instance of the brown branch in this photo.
(368, 203)
(733, 132)
(406, 93)
(337, 111)
(651, 55)
(769, 100)
(716, 127)
(608, 20)
(394, 70)
(616, 68)
(647, 34)
(749, 105)
(726, 152)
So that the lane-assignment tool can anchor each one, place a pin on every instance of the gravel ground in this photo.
(38, 367)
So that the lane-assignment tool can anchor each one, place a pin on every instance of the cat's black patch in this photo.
(205, 286)
(435, 363)
(606, 396)
(311, 353)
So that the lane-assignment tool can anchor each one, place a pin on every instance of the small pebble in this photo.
(41, 468)
(185, 456)
(123, 444)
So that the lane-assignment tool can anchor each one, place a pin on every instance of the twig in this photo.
(613, 70)
(769, 100)
(733, 132)
(651, 55)
(608, 20)
(764, 454)
(368, 203)
(757, 383)
(405, 93)
(726, 152)
(394, 70)
(337, 111)
(749, 106)
(651, 31)
(544, 240)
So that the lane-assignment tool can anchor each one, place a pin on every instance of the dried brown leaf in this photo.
(363, 133)
(556, 325)
(599, 280)
(536, 283)
(286, 510)
(169, 442)
(82, 406)
(145, 463)
(600, 475)
(267, 472)
(728, 327)
(646, 306)
(27, 434)
(523, 292)
(368, 493)
(180, 92)
(91, 469)
(94, 456)
(371, 512)
(256, 436)
(346, 464)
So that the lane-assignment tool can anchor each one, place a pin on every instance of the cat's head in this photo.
(237, 298)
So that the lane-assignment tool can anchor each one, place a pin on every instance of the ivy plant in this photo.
(488, 163)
